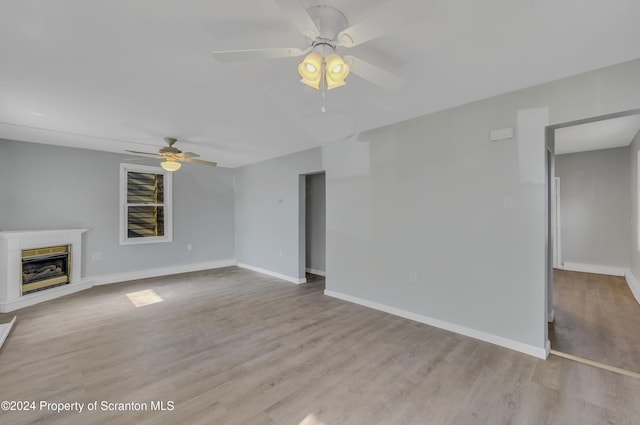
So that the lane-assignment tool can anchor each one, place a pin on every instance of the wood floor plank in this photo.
(231, 346)
(596, 318)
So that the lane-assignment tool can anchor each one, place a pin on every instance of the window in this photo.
(145, 204)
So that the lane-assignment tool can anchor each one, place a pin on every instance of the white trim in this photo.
(552, 316)
(539, 352)
(633, 283)
(16, 234)
(594, 268)
(5, 328)
(596, 364)
(547, 348)
(41, 296)
(557, 228)
(316, 272)
(274, 274)
(161, 271)
(637, 194)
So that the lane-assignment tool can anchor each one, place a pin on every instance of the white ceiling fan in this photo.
(327, 29)
(174, 156)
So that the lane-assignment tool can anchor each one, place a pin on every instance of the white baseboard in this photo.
(42, 296)
(539, 352)
(552, 316)
(547, 348)
(161, 271)
(594, 268)
(316, 272)
(634, 284)
(273, 274)
(5, 328)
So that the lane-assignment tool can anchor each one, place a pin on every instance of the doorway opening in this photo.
(593, 227)
(312, 258)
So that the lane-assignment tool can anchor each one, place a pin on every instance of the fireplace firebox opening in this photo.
(44, 268)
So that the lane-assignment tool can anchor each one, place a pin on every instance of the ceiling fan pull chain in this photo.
(324, 91)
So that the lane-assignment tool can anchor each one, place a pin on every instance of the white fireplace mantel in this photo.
(11, 245)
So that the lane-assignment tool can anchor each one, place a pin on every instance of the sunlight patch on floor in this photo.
(311, 420)
(146, 297)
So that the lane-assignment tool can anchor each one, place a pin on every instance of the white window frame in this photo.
(168, 205)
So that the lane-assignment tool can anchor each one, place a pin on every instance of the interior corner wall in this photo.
(268, 196)
(430, 218)
(53, 187)
(595, 207)
(634, 247)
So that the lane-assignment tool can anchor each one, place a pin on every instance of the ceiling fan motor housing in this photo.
(170, 149)
(330, 22)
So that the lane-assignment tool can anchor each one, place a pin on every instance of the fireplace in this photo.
(44, 268)
(39, 265)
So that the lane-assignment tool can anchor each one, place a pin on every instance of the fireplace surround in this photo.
(39, 265)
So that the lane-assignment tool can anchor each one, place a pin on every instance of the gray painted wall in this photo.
(427, 215)
(48, 187)
(268, 219)
(634, 251)
(420, 223)
(595, 207)
(315, 222)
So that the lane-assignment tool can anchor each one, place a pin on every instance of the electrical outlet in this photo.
(413, 277)
(96, 256)
(281, 253)
(189, 247)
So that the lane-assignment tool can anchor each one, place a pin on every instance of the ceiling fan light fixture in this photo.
(334, 84)
(171, 165)
(336, 71)
(310, 69)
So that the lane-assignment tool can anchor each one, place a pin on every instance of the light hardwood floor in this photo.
(232, 346)
(596, 317)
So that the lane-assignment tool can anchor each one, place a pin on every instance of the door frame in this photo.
(557, 227)
(302, 223)
(550, 140)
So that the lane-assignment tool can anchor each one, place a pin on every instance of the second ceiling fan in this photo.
(173, 157)
(326, 29)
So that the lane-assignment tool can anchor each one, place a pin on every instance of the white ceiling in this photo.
(122, 74)
(605, 134)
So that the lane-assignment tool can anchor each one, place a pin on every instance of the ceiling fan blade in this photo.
(187, 155)
(300, 17)
(253, 54)
(387, 18)
(141, 153)
(199, 161)
(376, 75)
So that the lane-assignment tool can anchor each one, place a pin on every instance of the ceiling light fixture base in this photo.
(329, 21)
